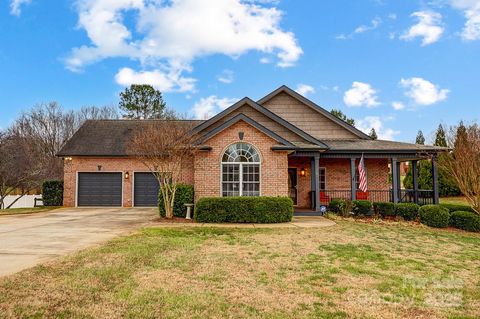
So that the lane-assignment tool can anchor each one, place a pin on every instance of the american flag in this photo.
(362, 176)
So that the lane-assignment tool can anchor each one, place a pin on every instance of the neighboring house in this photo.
(281, 145)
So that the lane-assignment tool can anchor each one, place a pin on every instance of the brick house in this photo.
(281, 145)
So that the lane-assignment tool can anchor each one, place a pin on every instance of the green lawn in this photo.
(32, 210)
(351, 270)
(460, 200)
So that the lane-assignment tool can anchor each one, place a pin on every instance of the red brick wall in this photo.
(112, 164)
(338, 175)
(274, 172)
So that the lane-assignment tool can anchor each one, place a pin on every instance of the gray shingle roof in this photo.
(358, 145)
(110, 138)
(106, 137)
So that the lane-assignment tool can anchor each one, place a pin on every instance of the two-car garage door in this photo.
(105, 189)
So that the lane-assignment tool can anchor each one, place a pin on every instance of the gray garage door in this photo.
(145, 190)
(99, 189)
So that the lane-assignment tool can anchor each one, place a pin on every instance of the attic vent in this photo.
(240, 135)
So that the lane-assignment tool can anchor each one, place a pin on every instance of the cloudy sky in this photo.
(397, 66)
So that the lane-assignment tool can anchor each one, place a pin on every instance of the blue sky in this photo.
(398, 66)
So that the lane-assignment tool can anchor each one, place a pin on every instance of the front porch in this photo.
(315, 179)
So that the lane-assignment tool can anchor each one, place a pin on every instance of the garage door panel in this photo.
(99, 189)
(145, 189)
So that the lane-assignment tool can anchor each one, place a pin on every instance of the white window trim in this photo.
(325, 169)
(240, 180)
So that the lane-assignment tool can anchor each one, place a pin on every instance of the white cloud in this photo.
(429, 27)
(209, 106)
(398, 105)
(373, 25)
(361, 94)
(167, 36)
(226, 76)
(423, 92)
(16, 6)
(163, 81)
(471, 10)
(369, 122)
(304, 89)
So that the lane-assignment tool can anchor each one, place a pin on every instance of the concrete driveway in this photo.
(30, 239)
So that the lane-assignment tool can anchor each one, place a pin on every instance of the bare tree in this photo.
(165, 147)
(49, 126)
(464, 161)
(95, 113)
(21, 166)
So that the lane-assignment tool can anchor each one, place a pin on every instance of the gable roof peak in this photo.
(285, 89)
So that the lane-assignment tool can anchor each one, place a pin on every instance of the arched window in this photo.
(241, 171)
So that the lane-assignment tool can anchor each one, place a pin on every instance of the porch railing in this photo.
(405, 196)
(425, 197)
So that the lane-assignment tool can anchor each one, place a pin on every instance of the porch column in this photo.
(316, 182)
(352, 178)
(394, 180)
(415, 180)
(435, 180)
(399, 181)
(313, 176)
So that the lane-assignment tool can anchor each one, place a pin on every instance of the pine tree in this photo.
(440, 139)
(420, 138)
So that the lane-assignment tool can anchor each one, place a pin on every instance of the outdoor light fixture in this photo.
(302, 172)
(127, 175)
(67, 158)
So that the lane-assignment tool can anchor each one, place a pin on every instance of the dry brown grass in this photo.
(352, 270)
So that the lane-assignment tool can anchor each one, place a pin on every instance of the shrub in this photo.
(408, 211)
(244, 210)
(465, 220)
(342, 207)
(384, 208)
(434, 216)
(52, 193)
(183, 195)
(335, 205)
(362, 207)
(457, 207)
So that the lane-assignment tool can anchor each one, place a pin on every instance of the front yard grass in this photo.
(351, 270)
(457, 200)
(31, 210)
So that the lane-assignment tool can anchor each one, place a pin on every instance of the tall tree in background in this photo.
(342, 116)
(464, 161)
(440, 138)
(49, 126)
(373, 134)
(420, 139)
(142, 101)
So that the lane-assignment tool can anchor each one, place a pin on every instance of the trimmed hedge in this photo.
(52, 193)
(465, 220)
(457, 207)
(384, 208)
(244, 210)
(434, 216)
(335, 205)
(362, 207)
(409, 211)
(183, 195)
